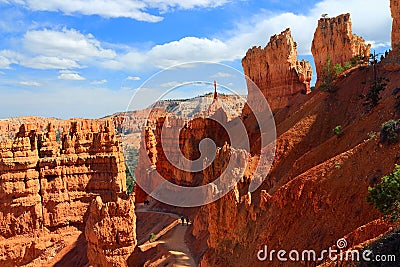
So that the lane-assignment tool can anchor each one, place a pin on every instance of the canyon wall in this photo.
(45, 184)
(316, 191)
(276, 70)
(334, 40)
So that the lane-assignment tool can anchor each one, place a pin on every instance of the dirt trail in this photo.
(175, 243)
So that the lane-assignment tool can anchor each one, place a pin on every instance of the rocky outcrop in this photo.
(395, 9)
(392, 61)
(110, 231)
(20, 198)
(46, 184)
(334, 40)
(276, 70)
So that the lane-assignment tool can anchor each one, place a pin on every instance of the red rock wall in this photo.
(276, 70)
(20, 200)
(392, 62)
(395, 8)
(334, 39)
(110, 231)
(45, 184)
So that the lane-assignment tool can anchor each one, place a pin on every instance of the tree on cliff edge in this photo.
(328, 77)
(386, 195)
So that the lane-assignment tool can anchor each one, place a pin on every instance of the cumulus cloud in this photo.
(70, 75)
(8, 57)
(46, 63)
(66, 43)
(30, 83)
(138, 10)
(255, 31)
(5, 62)
(70, 49)
(56, 49)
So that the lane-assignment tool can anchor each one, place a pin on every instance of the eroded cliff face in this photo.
(316, 190)
(392, 61)
(334, 39)
(21, 209)
(276, 70)
(395, 9)
(110, 231)
(47, 186)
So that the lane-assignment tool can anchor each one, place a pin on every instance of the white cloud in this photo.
(134, 9)
(69, 75)
(51, 49)
(4, 63)
(376, 45)
(45, 63)
(256, 31)
(7, 58)
(69, 49)
(67, 43)
(99, 82)
(132, 78)
(30, 83)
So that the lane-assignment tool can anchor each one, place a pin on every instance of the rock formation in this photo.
(48, 185)
(159, 140)
(276, 70)
(334, 40)
(395, 9)
(315, 192)
(20, 199)
(110, 231)
(392, 61)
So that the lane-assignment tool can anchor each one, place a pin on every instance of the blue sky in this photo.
(86, 58)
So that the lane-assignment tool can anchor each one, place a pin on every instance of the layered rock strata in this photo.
(276, 70)
(46, 184)
(334, 40)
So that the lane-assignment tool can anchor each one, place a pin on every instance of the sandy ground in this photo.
(172, 238)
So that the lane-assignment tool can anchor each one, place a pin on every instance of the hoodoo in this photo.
(276, 70)
(334, 40)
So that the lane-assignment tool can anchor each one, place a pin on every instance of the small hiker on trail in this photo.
(183, 220)
(187, 220)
